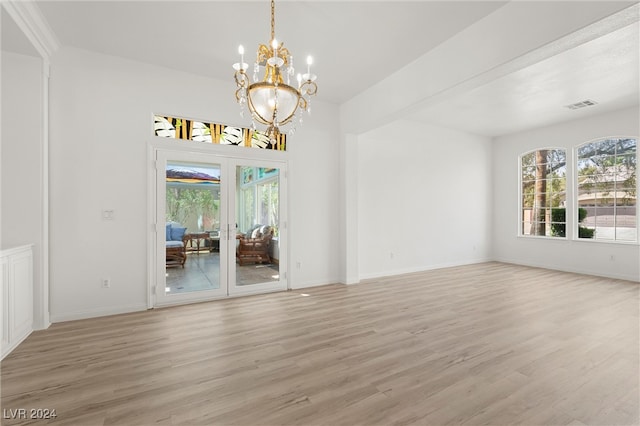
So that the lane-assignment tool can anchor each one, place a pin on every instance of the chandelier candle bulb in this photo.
(309, 62)
(276, 64)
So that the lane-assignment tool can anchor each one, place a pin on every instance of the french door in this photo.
(220, 227)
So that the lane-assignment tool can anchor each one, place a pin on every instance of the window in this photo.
(543, 193)
(606, 177)
(185, 129)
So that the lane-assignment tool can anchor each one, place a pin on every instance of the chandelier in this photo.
(273, 101)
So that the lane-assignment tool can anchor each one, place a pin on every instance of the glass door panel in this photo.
(258, 254)
(192, 218)
(257, 232)
(190, 215)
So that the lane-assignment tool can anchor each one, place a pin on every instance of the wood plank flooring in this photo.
(482, 344)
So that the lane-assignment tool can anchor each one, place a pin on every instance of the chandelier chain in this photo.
(273, 20)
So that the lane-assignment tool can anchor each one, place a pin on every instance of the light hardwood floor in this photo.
(480, 344)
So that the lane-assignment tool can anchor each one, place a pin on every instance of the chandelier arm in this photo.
(239, 94)
(309, 88)
(263, 54)
(241, 79)
(302, 103)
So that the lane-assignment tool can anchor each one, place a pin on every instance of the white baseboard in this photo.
(572, 270)
(41, 326)
(15, 343)
(422, 268)
(351, 280)
(307, 284)
(100, 312)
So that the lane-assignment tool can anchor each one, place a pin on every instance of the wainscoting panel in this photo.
(17, 296)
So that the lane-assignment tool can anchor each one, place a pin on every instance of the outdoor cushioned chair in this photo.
(176, 245)
(254, 245)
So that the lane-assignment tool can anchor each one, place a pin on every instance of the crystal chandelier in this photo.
(272, 100)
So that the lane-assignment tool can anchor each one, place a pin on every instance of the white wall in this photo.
(22, 161)
(314, 199)
(424, 199)
(101, 125)
(21, 149)
(589, 257)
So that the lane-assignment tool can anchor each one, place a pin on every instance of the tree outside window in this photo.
(195, 208)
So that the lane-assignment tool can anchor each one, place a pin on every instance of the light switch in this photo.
(108, 214)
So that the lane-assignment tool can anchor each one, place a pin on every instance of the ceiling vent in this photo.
(583, 104)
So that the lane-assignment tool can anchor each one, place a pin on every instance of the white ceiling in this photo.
(355, 45)
(605, 70)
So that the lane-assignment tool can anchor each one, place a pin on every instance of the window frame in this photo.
(521, 194)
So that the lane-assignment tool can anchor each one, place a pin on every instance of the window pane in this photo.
(604, 221)
(558, 222)
(543, 177)
(586, 221)
(585, 189)
(200, 132)
(557, 156)
(560, 170)
(604, 201)
(626, 223)
(557, 199)
(528, 159)
(541, 201)
(606, 146)
(607, 189)
(528, 173)
(584, 166)
(626, 146)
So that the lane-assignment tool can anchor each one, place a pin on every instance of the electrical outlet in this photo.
(298, 265)
(106, 282)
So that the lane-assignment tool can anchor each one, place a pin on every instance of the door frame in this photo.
(242, 154)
